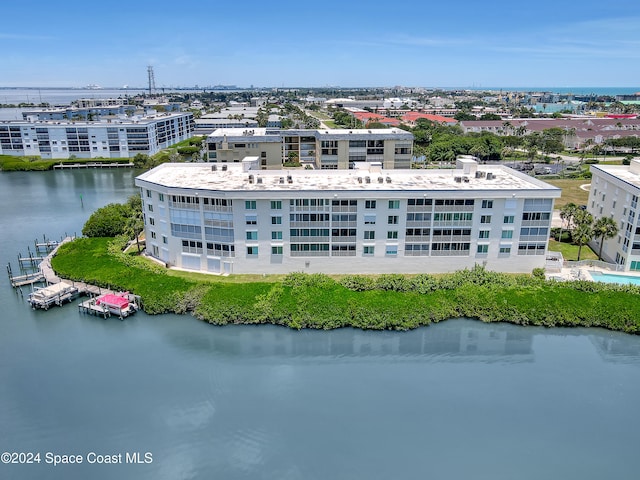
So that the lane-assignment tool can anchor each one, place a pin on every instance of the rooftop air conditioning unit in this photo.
(224, 168)
(380, 180)
(490, 176)
(250, 178)
(388, 179)
(289, 179)
(359, 179)
(281, 180)
(458, 179)
(214, 168)
(367, 179)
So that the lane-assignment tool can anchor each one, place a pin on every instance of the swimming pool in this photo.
(613, 278)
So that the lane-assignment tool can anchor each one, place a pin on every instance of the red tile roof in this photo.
(412, 117)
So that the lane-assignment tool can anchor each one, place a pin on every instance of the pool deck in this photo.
(584, 273)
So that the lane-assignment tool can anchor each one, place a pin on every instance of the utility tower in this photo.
(152, 80)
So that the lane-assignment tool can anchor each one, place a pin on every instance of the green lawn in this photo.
(570, 252)
(571, 191)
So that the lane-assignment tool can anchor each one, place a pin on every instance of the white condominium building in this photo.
(113, 138)
(237, 218)
(614, 193)
(322, 149)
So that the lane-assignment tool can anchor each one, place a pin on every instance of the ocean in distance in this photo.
(64, 96)
(460, 399)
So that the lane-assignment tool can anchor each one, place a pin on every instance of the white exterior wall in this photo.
(34, 135)
(509, 203)
(612, 193)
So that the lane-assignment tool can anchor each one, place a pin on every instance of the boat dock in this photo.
(65, 166)
(58, 291)
(93, 306)
(56, 294)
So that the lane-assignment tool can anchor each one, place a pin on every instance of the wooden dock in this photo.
(58, 291)
(66, 166)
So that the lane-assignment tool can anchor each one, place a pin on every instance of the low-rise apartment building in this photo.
(237, 218)
(113, 138)
(614, 193)
(323, 149)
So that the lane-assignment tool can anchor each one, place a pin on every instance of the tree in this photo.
(108, 221)
(583, 230)
(567, 212)
(604, 228)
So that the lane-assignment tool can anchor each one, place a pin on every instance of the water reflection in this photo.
(453, 340)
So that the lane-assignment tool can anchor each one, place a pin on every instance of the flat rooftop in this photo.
(627, 173)
(199, 176)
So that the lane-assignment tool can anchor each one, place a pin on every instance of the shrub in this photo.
(108, 221)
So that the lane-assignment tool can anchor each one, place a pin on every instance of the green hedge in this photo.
(370, 302)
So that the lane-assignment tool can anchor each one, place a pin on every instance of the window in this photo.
(392, 220)
(392, 235)
(153, 234)
(507, 233)
(250, 204)
(369, 204)
(368, 250)
(150, 207)
(487, 203)
(635, 265)
(253, 251)
(148, 193)
(276, 220)
(391, 250)
(483, 234)
(252, 235)
(276, 235)
(276, 250)
(152, 221)
(483, 249)
(369, 235)
(506, 250)
(252, 219)
(369, 219)
(508, 219)
(394, 204)
(276, 204)
(164, 239)
(485, 219)
(161, 197)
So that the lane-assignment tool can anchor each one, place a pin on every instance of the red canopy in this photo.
(113, 300)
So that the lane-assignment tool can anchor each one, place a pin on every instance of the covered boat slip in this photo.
(120, 304)
(55, 294)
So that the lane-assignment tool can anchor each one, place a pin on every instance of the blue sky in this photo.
(346, 43)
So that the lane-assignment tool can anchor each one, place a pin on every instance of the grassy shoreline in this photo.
(393, 302)
(10, 163)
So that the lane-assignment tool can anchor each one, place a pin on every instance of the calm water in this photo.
(456, 400)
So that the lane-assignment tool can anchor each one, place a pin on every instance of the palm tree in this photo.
(604, 228)
(567, 212)
(582, 233)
